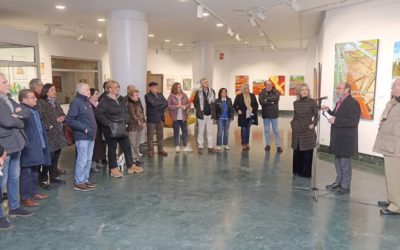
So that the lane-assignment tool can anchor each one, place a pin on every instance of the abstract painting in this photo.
(396, 61)
(169, 81)
(355, 63)
(294, 83)
(239, 81)
(258, 86)
(278, 82)
(187, 84)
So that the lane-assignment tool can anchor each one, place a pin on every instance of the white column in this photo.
(127, 44)
(203, 62)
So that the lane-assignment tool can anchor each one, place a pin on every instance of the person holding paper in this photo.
(304, 137)
(344, 136)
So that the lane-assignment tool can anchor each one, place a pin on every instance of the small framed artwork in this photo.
(57, 82)
(169, 81)
(19, 73)
(187, 84)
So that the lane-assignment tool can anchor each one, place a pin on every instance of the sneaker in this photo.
(82, 187)
(218, 148)
(135, 169)
(227, 147)
(20, 212)
(5, 225)
(177, 149)
(90, 185)
(116, 173)
(187, 149)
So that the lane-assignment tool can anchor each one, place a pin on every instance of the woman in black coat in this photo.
(246, 106)
(224, 115)
(305, 119)
(112, 108)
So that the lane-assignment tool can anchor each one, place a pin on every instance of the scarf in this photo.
(52, 101)
(210, 97)
(247, 102)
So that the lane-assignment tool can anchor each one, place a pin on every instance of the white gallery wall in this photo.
(367, 21)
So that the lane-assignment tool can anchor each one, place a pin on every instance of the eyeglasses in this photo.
(339, 88)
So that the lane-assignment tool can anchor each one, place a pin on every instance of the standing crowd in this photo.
(106, 127)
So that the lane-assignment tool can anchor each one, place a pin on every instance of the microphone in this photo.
(321, 98)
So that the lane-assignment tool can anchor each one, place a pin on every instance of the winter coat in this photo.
(344, 132)
(54, 130)
(305, 114)
(12, 135)
(155, 107)
(109, 110)
(219, 108)
(239, 104)
(173, 103)
(34, 154)
(136, 115)
(388, 139)
(269, 103)
(81, 117)
(196, 104)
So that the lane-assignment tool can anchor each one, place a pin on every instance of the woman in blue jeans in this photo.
(247, 106)
(178, 104)
(224, 115)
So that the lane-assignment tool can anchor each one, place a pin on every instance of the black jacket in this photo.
(196, 104)
(239, 104)
(269, 102)
(155, 106)
(344, 132)
(218, 108)
(81, 117)
(109, 110)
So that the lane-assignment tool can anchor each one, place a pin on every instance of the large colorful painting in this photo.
(258, 86)
(396, 61)
(355, 63)
(294, 83)
(239, 81)
(279, 83)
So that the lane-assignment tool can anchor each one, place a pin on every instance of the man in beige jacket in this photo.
(388, 143)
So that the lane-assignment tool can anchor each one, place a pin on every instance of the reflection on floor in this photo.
(229, 200)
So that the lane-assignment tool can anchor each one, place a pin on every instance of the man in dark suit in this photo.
(344, 121)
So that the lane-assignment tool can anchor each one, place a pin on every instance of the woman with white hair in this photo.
(246, 106)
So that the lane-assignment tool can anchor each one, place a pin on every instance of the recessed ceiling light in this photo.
(219, 25)
(206, 14)
(246, 42)
(182, 0)
(60, 7)
(101, 20)
(151, 35)
(180, 44)
(167, 40)
(100, 35)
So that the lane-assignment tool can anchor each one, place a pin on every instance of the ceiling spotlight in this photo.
(219, 25)
(79, 36)
(230, 32)
(167, 40)
(206, 14)
(246, 42)
(60, 7)
(273, 47)
(151, 35)
(252, 22)
(200, 11)
(101, 20)
(180, 44)
(96, 42)
(100, 35)
(50, 29)
(237, 37)
(261, 14)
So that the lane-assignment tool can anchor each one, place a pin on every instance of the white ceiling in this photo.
(177, 21)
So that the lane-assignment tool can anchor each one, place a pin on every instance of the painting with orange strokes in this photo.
(279, 83)
(396, 61)
(355, 63)
(239, 81)
(258, 86)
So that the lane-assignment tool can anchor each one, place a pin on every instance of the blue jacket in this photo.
(81, 117)
(34, 154)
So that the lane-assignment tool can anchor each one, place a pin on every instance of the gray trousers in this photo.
(134, 139)
(158, 129)
(343, 171)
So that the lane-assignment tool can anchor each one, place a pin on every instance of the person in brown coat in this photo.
(303, 124)
(388, 143)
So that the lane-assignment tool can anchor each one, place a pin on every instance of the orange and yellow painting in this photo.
(355, 63)
(239, 81)
(258, 86)
(278, 82)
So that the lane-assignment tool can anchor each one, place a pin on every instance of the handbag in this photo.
(68, 134)
(168, 119)
(118, 129)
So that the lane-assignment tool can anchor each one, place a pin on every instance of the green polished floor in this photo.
(229, 200)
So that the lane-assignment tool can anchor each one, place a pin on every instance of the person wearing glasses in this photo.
(344, 121)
